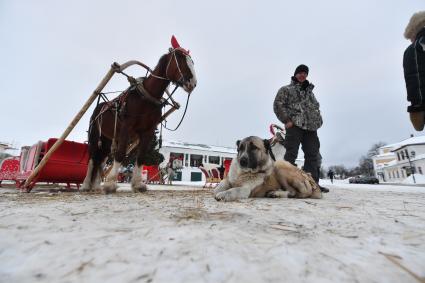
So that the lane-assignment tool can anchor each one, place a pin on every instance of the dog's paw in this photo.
(217, 189)
(224, 196)
(278, 194)
(271, 194)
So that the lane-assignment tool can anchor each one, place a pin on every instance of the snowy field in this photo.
(356, 233)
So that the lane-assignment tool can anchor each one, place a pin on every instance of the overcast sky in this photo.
(54, 53)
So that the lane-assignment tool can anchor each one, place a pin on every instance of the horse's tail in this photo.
(95, 142)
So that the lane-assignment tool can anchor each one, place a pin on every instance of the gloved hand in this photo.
(418, 120)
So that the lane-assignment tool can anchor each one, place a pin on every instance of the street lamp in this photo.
(412, 169)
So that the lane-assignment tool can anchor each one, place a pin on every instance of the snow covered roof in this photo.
(4, 145)
(391, 163)
(409, 141)
(198, 146)
(383, 155)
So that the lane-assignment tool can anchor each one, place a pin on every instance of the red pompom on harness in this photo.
(175, 44)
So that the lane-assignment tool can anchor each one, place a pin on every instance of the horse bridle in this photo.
(181, 79)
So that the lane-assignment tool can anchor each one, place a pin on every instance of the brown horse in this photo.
(139, 114)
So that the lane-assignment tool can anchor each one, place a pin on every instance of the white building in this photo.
(193, 155)
(395, 162)
(5, 146)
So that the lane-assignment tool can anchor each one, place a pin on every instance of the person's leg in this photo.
(310, 145)
(292, 143)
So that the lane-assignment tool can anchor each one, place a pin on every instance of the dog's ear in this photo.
(238, 142)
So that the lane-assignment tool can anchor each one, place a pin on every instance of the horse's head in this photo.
(180, 69)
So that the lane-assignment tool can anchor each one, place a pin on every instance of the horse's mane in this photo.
(162, 64)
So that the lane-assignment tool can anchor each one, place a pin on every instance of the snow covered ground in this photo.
(356, 233)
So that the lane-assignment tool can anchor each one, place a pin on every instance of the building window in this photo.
(398, 156)
(402, 155)
(186, 160)
(406, 153)
(214, 159)
(195, 160)
(420, 170)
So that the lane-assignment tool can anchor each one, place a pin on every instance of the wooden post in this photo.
(74, 122)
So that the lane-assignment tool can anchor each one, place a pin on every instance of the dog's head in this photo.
(253, 153)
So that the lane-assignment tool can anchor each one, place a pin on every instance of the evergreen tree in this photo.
(4, 155)
(366, 162)
(152, 156)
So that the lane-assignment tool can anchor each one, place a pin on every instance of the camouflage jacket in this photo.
(298, 105)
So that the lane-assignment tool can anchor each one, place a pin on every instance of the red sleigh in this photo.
(68, 164)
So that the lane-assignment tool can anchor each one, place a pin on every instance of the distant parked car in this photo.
(363, 180)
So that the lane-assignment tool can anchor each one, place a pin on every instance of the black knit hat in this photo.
(301, 68)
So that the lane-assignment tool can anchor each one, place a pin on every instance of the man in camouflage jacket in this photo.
(414, 69)
(297, 108)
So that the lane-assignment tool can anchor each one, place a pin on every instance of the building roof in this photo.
(6, 146)
(391, 163)
(385, 155)
(409, 141)
(197, 146)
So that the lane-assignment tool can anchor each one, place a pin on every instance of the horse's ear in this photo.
(238, 142)
(174, 42)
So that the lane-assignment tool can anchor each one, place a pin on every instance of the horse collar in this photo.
(145, 94)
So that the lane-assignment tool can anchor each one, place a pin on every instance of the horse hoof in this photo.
(109, 188)
(140, 188)
(85, 189)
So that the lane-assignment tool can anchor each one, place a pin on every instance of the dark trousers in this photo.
(310, 145)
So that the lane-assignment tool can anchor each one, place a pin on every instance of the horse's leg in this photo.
(136, 180)
(98, 156)
(87, 183)
(110, 185)
(98, 179)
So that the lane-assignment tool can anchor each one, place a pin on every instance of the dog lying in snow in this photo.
(253, 173)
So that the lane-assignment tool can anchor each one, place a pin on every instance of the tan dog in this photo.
(253, 173)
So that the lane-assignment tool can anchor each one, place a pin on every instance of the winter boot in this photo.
(323, 189)
(418, 120)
